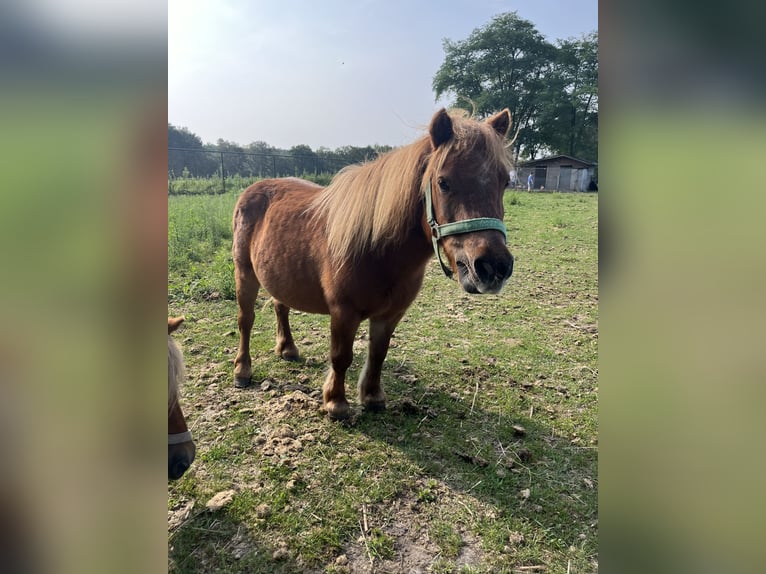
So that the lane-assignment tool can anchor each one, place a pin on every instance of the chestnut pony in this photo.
(181, 447)
(358, 248)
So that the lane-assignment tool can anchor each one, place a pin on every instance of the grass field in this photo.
(485, 460)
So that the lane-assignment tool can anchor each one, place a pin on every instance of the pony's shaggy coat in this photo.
(358, 249)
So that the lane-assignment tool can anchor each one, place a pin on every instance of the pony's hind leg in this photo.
(247, 290)
(285, 344)
(371, 393)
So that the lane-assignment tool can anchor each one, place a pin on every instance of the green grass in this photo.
(442, 479)
(199, 246)
(202, 186)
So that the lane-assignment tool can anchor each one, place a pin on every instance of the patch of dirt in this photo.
(285, 408)
(179, 514)
(240, 545)
(415, 551)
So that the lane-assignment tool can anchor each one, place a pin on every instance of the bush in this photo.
(514, 199)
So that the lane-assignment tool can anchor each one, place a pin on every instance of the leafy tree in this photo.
(195, 161)
(330, 160)
(260, 164)
(577, 69)
(550, 90)
(351, 154)
(234, 161)
(182, 137)
(305, 159)
(504, 64)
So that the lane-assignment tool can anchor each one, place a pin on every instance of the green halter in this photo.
(456, 227)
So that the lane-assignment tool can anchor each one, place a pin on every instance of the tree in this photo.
(260, 164)
(305, 159)
(182, 137)
(501, 65)
(577, 69)
(192, 157)
(550, 90)
(234, 160)
(330, 161)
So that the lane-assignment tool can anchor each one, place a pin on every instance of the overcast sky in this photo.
(327, 72)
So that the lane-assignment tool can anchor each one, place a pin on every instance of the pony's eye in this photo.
(443, 185)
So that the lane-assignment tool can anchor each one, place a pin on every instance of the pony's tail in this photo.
(270, 300)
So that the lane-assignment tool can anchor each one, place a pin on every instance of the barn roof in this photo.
(552, 158)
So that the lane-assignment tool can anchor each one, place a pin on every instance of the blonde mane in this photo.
(371, 205)
(176, 372)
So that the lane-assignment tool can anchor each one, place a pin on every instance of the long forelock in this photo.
(470, 134)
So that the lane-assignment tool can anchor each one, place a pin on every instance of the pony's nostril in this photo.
(179, 467)
(509, 271)
(492, 271)
(485, 271)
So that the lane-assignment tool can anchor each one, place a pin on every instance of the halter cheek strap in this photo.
(179, 438)
(456, 227)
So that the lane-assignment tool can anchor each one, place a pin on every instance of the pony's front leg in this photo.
(371, 393)
(343, 327)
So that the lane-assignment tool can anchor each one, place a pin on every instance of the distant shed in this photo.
(557, 173)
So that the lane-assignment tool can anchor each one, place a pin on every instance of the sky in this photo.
(327, 73)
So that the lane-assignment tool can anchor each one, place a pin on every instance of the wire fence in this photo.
(194, 171)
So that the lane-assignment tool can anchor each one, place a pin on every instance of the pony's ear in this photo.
(440, 129)
(174, 323)
(501, 122)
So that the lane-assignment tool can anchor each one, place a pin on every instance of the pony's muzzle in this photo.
(180, 459)
(486, 274)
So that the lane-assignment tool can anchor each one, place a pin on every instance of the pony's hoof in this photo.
(290, 355)
(242, 382)
(287, 351)
(374, 406)
(338, 411)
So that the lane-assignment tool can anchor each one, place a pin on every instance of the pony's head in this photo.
(464, 181)
(181, 448)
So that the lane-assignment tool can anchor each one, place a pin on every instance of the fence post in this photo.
(223, 176)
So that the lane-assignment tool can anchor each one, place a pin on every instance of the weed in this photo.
(428, 492)
(442, 566)
(449, 541)
(380, 545)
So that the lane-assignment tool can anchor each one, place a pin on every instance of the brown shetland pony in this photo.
(358, 249)
(181, 447)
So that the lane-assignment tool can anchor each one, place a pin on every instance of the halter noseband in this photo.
(456, 227)
(179, 438)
